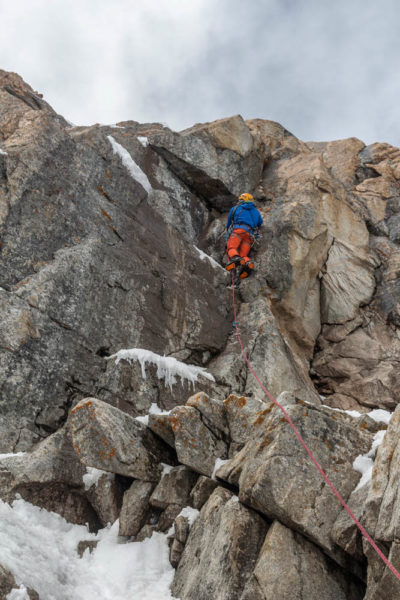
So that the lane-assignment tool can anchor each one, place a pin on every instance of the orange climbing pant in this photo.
(239, 244)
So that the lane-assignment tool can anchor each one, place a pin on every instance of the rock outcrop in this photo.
(111, 238)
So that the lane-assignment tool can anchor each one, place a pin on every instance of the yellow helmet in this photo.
(246, 198)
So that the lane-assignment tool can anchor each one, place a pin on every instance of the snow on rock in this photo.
(134, 170)
(92, 477)
(9, 454)
(40, 550)
(190, 513)
(204, 256)
(378, 414)
(168, 368)
(143, 140)
(364, 462)
(18, 594)
(166, 469)
(3, 153)
(218, 463)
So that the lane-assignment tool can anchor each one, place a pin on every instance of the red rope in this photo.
(306, 448)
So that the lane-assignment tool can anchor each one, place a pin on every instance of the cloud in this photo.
(323, 69)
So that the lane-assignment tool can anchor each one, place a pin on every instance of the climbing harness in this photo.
(306, 448)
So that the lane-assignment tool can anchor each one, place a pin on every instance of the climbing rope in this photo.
(306, 448)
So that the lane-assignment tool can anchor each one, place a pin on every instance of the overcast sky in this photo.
(325, 69)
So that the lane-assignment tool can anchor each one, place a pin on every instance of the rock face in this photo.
(111, 238)
(291, 568)
(276, 477)
(226, 532)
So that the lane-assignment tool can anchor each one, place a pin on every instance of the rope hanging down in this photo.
(306, 448)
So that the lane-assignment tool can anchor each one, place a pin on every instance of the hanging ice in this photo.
(168, 368)
(134, 170)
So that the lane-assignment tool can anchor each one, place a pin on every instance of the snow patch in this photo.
(204, 256)
(218, 463)
(92, 477)
(190, 513)
(168, 368)
(133, 169)
(40, 550)
(166, 469)
(3, 153)
(18, 594)
(378, 415)
(154, 410)
(143, 140)
(10, 454)
(364, 462)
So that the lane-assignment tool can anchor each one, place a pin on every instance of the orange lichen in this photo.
(112, 453)
(105, 214)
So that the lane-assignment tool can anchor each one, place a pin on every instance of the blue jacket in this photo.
(246, 216)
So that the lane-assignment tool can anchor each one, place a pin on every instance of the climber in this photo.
(242, 227)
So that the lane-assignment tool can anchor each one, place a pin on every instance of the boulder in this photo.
(160, 425)
(106, 498)
(289, 567)
(109, 439)
(174, 488)
(135, 508)
(221, 550)
(167, 517)
(196, 445)
(275, 476)
(202, 490)
(49, 477)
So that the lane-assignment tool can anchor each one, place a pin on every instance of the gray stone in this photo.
(175, 552)
(135, 508)
(244, 415)
(86, 545)
(221, 550)
(196, 445)
(212, 412)
(106, 498)
(168, 517)
(161, 426)
(174, 488)
(182, 528)
(217, 160)
(145, 533)
(49, 477)
(202, 491)
(276, 477)
(109, 439)
(291, 568)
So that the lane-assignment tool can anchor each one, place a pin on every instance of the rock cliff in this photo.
(111, 238)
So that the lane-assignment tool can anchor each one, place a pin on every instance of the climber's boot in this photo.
(247, 269)
(233, 263)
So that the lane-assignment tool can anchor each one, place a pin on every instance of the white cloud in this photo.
(324, 69)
